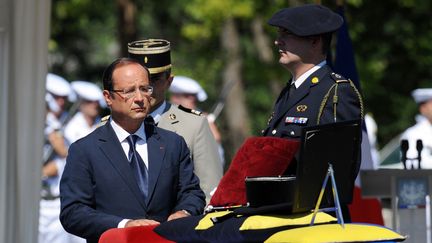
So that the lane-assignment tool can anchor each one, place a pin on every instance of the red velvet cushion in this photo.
(132, 235)
(258, 156)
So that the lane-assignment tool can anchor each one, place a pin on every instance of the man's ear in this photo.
(107, 97)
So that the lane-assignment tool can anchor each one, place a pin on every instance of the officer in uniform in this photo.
(315, 94)
(187, 93)
(90, 99)
(422, 130)
(190, 124)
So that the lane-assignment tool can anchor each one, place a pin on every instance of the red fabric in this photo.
(137, 234)
(258, 156)
(365, 210)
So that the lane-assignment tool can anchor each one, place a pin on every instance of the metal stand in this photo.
(337, 207)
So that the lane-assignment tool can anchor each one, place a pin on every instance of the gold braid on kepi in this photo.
(152, 53)
(336, 97)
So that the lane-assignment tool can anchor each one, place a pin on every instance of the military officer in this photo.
(191, 125)
(187, 92)
(315, 94)
(422, 130)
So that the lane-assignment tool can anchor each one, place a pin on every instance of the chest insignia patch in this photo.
(172, 116)
(301, 108)
(296, 120)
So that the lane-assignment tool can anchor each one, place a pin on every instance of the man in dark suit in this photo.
(315, 94)
(127, 172)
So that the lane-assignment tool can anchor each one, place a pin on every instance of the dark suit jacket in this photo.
(285, 120)
(98, 189)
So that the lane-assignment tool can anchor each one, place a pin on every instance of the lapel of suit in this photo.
(110, 146)
(302, 91)
(156, 155)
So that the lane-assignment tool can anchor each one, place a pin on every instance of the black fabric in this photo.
(183, 231)
(307, 20)
(180, 230)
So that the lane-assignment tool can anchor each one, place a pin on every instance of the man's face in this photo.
(185, 100)
(292, 49)
(61, 102)
(124, 109)
(160, 82)
(426, 110)
(90, 108)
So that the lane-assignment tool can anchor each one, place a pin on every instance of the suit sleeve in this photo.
(205, 155)
(78, 215)
(190, 196)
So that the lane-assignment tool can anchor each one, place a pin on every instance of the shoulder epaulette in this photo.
(195, 112)
(339, 78)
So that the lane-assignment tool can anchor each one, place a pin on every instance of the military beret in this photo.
(307, 20)
(152, 53)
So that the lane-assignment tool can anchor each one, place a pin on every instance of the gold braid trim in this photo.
(335, 100)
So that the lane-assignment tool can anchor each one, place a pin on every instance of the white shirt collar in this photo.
(305, 75)
(123, 134)
(156, 114)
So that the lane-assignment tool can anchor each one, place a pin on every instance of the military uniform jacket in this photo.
(291, 114)
(200, 141)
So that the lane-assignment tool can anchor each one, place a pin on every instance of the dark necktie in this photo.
(287, 96)
(137, 165)
(291, 90)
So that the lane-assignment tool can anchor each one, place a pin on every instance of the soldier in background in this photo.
(55, 151)
(90, 101)
(187, 93)
(194, 128)
(422, 130)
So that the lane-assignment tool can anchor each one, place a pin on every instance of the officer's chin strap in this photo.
(336, 97)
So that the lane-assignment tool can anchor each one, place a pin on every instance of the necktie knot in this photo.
(132, 142)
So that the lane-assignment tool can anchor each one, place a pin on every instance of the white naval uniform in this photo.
(422, 130)
(78, 128)
(50, 228)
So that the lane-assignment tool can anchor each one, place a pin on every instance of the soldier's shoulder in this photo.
(338, 78)
(184, 115)
(190, 111)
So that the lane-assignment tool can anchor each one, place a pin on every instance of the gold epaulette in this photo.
(195, 112)
(103, 120)
(338, 80)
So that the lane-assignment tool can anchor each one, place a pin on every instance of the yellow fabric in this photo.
(258, 222)
(335, 233)
(206, 223)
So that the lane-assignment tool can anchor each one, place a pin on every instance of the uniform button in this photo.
(274, 132)
(292, 133)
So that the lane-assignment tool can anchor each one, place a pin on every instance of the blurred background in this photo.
(219, 42)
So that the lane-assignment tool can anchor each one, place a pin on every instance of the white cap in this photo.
(185, 85)
(88, 91)
(422, 95)
(57, 85)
